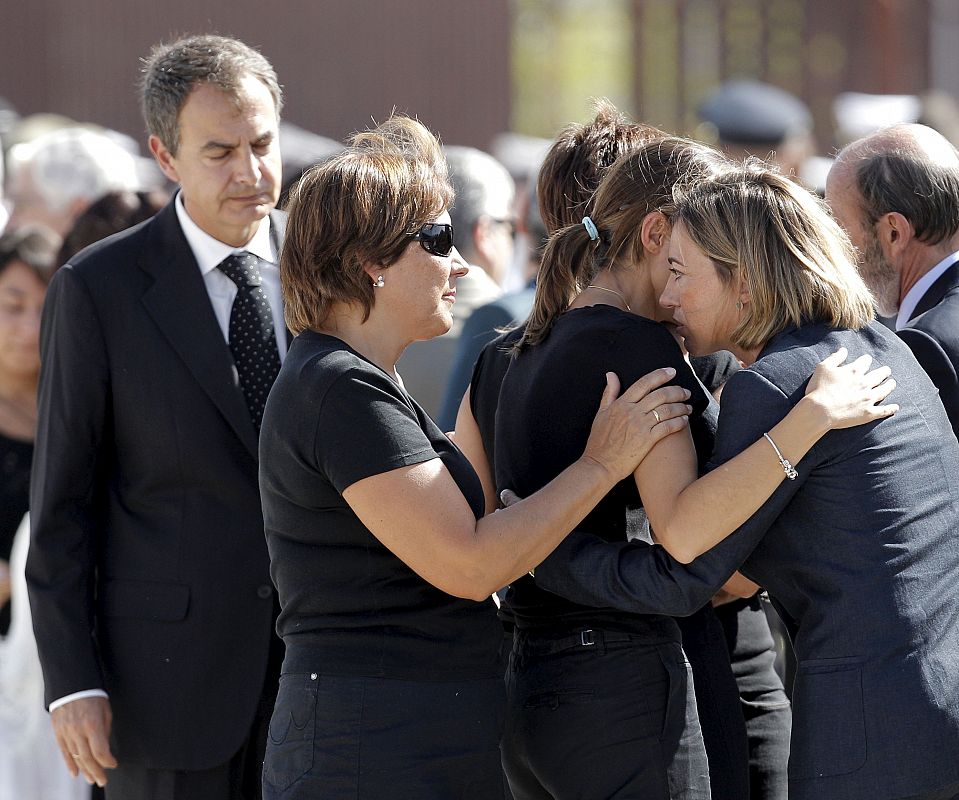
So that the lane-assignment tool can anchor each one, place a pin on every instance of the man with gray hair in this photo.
(55, 177)
(148, 571)
(896, 192)
(483, 227)
(482, 212)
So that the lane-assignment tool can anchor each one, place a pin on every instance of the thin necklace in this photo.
(611, 291)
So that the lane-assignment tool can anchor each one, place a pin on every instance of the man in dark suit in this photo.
(148, 570)
(896, 192)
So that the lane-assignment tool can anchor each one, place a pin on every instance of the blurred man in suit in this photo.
(483, 225)
(148, 570)
(896, 192)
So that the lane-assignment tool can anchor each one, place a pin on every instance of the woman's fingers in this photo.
(668, 411)
(645, 385)
(882, 391)
(611, 392)
(876, 376)
(662, 396)
(835, 359)
(509, 498)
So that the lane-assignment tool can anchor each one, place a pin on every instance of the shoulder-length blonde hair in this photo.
(796, 261)
(359, 207)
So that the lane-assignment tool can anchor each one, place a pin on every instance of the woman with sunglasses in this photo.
(392, 681)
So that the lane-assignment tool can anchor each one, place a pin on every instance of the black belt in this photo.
(542, 643)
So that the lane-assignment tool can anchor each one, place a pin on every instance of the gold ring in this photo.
(656, 414)
(75, 755)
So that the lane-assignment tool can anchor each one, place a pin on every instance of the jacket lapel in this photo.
(180, 306)
(945, 283)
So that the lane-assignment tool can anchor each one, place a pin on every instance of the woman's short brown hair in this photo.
(796, 261)
(359, 207)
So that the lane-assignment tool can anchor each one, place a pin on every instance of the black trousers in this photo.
(237, 779)
(765, 706)
(602, 714)
(345, 738)
(717, 701)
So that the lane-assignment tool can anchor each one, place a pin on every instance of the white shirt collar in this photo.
(920, 287)
(209, 251)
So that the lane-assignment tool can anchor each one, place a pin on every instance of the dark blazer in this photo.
(933, 336)
(861, 557)
(481, 328)
(148, 570)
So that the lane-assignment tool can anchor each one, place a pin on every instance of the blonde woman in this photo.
(858, 543)
(599, 699)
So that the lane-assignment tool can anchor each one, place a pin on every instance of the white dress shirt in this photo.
(919, 289)
(209, 252)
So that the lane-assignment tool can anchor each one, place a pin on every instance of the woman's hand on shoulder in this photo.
(851, 394)
(626, 427)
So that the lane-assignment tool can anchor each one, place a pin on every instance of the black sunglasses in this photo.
(436, 238)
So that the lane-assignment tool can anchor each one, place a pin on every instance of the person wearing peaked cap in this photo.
(758, 119)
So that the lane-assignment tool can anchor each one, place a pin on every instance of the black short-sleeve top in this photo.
(545, 409)
(332, 419)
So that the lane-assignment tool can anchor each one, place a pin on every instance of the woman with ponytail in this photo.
(599, 701)
(569, 176)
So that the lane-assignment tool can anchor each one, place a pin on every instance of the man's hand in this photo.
(82, 728)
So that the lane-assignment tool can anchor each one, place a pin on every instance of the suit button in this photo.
(264, 592)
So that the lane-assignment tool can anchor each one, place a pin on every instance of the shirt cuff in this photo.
(77, 696)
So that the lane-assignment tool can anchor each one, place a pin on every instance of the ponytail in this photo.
(639, 183)
(569, 264)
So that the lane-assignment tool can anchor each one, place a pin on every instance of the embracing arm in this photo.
(690, 516)
(419, 513)
(644, 579)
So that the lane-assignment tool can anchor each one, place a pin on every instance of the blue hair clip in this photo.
(590, 229)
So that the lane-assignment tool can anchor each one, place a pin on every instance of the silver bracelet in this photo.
(788, 468)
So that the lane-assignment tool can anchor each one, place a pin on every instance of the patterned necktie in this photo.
(252, 337)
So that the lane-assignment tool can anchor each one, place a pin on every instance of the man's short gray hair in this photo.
(173, 71)
(480, 184)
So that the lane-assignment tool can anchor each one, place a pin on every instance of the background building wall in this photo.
(342, 63)
(474, 68)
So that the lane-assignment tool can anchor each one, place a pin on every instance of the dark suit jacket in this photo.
(933, 336)
(148, 569)
(481, 328)
(861, 557)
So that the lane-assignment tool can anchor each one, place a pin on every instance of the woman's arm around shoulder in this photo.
(418, 512)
